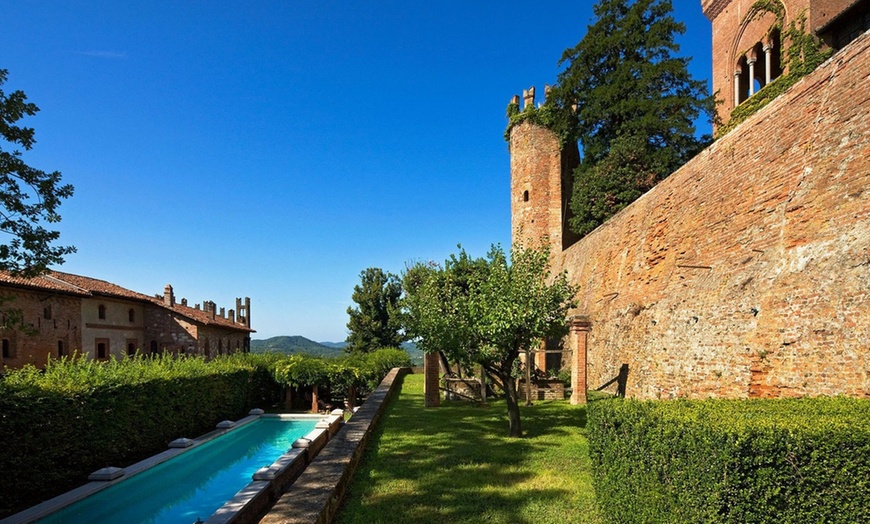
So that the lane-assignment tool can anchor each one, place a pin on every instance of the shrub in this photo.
(784, 461)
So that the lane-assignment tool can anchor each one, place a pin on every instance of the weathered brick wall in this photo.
(173, 333)
(64, 326)
(746, 272)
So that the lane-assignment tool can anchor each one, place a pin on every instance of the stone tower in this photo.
(541, 182)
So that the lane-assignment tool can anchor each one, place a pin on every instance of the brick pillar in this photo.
(431, 380)
(579, 331)
(541, 357)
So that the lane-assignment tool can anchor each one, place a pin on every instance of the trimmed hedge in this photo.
(738, 461)
(79, 415)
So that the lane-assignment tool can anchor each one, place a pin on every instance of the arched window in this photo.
(101, 312)
(526, 195)
(153, 347)
(46, 313)
(60, 350)
(131, 315)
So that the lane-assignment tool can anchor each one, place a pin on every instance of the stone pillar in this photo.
(767, 66)
(751, 62)
(431, 380)
(579, 331)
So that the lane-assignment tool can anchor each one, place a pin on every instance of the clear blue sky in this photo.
(274, 149)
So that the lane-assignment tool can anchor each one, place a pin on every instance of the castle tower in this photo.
(541, 182)
(750, 44)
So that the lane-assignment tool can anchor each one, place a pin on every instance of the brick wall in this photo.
(63, 326)
(747, 272)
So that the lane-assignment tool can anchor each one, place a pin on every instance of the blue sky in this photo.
(276, 149)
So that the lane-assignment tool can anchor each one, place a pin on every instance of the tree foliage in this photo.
(488, 310)
(375, 322)
(28, 197)
(633, 103)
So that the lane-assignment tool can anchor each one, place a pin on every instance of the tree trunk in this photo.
(444, 362)
(528, 378)
(351, 397)
(482, 385)
(288, 397)
(513, 406)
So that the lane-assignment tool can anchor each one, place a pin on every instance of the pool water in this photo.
(194, 484)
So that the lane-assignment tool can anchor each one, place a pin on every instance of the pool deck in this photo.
(317, 494)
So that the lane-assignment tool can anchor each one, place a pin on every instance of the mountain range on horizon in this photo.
(296, 344)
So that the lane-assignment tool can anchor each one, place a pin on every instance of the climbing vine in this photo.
(805, 53)
(548, 115)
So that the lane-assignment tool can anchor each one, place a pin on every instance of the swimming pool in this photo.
(196, 482)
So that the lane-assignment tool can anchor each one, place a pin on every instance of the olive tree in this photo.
(488, 311)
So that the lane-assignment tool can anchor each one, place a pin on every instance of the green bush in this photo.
(783, 461)
(79, 415)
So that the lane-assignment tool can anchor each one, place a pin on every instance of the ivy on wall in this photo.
(548, 115)
(804, 54)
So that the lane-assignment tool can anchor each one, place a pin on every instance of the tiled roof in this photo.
(45, 282)
(58, 281)
(96, 286)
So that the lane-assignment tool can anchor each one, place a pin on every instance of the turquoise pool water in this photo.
(194, 484)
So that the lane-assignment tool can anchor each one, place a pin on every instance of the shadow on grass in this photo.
(456, 464)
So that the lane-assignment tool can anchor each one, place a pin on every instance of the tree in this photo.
(488, 311)
(28, 196)
(633, 103)
(375, 323)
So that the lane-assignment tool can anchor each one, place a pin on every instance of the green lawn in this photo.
(456, 464)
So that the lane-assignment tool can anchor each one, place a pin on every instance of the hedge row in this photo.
(78, 415)
(737, 461)
(360, 370)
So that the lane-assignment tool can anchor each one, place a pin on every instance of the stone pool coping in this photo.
(270, 483)
(318, 492)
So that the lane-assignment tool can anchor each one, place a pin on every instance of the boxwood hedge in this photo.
(737, 461)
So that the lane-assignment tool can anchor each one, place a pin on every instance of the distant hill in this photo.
(337, 345)
(290, 345)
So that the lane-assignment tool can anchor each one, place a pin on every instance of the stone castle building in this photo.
(66, 314)
(746, 273)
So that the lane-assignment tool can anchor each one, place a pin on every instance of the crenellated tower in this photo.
(541, 180)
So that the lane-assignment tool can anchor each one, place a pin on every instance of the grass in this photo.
(456, 464)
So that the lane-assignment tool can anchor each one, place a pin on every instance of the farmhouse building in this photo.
(62, 314)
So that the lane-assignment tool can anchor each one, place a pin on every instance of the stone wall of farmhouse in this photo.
(55, 320)
(169, 332)
(747, 272)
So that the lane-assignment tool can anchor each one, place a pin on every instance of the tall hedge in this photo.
(732, 461)
(79, 415)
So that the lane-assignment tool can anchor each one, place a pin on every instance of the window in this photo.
(101, 312)
(60, 349)
(132, 344)
(153, 347)
(525, 196)
(46, 313)
(102, 345)
(131, 315)
(7, 349)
